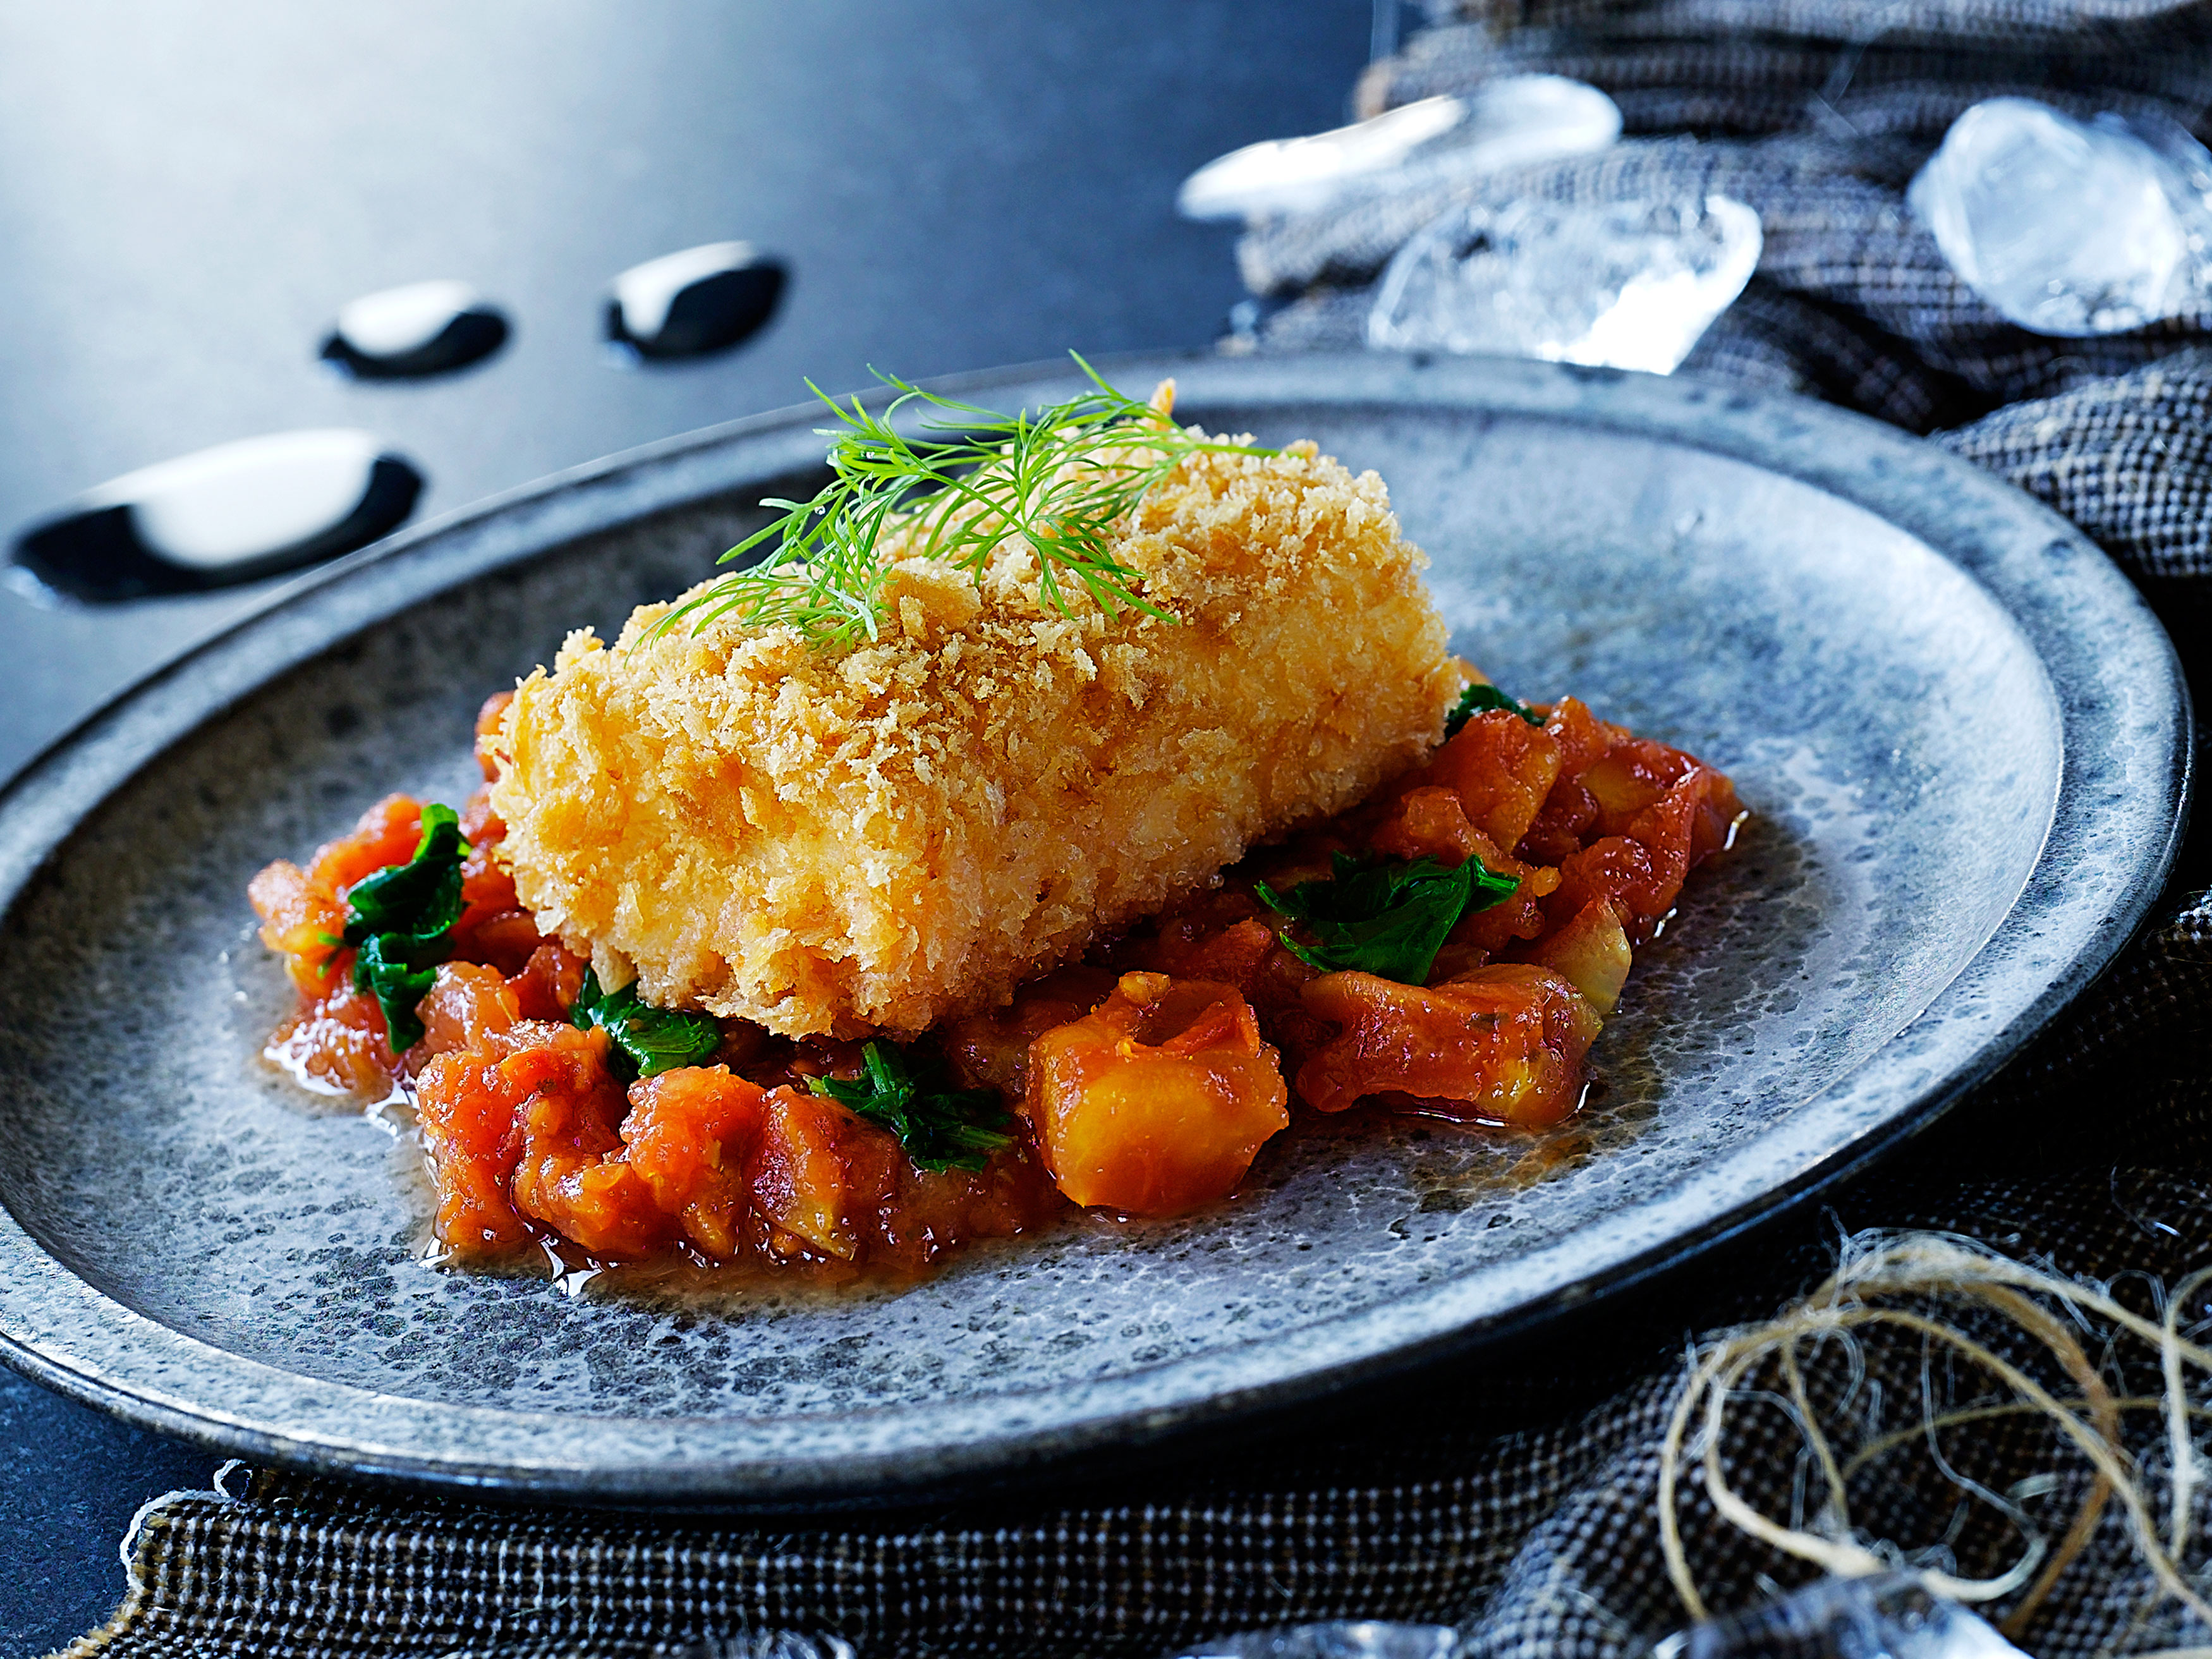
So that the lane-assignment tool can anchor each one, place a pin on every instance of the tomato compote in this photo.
(1143, 1082)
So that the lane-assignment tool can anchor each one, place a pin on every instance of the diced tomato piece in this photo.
(691, 1133)
(1688, 823)
(992, 1050)
(1241, 955)
(303, 912)
(387, 834)
(571, 1174)
(1430, 823)
(1643, 870)
(1502, 1044)
(338, 1041)
(1563, 828)
(1583, 739)
(550, 982)
(480, 825)
(1501, 768)
(799, 1181)
(303, 919)
(1590, 951)
(504, 939)
(464, 1002)
(472, 1104)
(916, 1216)
(574, 1186)
(1159, 1101)
(493, 926)
(1250, 955)
(1620, 869)
(1569, 819)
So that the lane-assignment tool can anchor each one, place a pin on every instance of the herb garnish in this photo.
(940, 1128)
(399, 918)
(1061, 478)
(1386, 919)
(398, 971)
(649, 1040)
(1478, 698)
(420, 898)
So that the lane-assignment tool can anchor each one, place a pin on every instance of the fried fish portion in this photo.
(833, 841)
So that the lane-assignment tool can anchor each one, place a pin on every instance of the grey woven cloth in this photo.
(1521, 1504)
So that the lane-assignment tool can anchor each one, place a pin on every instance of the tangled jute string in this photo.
(1875, 1271)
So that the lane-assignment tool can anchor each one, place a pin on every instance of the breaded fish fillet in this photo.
(836, 840)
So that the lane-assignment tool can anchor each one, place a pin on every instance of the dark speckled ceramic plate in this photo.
(1965, 738)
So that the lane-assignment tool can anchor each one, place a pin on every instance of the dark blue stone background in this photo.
(188, 194)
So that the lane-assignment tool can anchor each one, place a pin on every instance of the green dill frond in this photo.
(1064, 479)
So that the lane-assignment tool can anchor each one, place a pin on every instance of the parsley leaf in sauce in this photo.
(940, 1128)
(1385, 919)
(420, 898)
(1478, 698)
(399, 919)
(398, 970)
(652, 1040)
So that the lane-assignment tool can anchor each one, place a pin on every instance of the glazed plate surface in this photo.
(1963, 736)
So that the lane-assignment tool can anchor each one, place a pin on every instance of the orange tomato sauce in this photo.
(1143, 1082)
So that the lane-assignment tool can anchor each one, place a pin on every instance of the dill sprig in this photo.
(1063, 479)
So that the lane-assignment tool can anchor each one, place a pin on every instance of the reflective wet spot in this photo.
(218, 516)
(415, 329)
(694, 302)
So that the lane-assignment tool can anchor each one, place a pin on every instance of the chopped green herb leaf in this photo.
(940, 1128)
(397, 970)
(1388, 919)
(651, 1040)
(1478, 699)
(399, 918)
(420, 898)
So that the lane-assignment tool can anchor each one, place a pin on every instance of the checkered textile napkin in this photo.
(1523, 1505)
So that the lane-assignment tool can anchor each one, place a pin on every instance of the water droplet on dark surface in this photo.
(420, 329)
(691, 303)
(218, 517)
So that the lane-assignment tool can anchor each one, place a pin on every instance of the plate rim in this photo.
(1928, 492)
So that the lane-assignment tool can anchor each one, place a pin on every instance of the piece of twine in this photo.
(1875, 1270)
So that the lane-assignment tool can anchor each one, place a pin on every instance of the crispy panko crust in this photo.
(834, 840)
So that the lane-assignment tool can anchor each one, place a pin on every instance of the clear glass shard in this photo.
(1349, 1639)
(1621, 285)
(2071, 228)
(1512, 121)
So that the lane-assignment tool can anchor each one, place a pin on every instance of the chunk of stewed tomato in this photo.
(692, 1133)
(476, 1106)
(1501, 768)
(991, 1050)
(303, 912)
(1590, 950)
(465, 1002)
(800, 1182)
(1159, 1101)
(1502, 1044)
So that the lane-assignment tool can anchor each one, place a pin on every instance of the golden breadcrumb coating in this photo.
(836, 840)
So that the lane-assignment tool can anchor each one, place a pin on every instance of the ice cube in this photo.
(1892, 1615)
(1621, 284)
(2071, 228)
(1512, 121)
